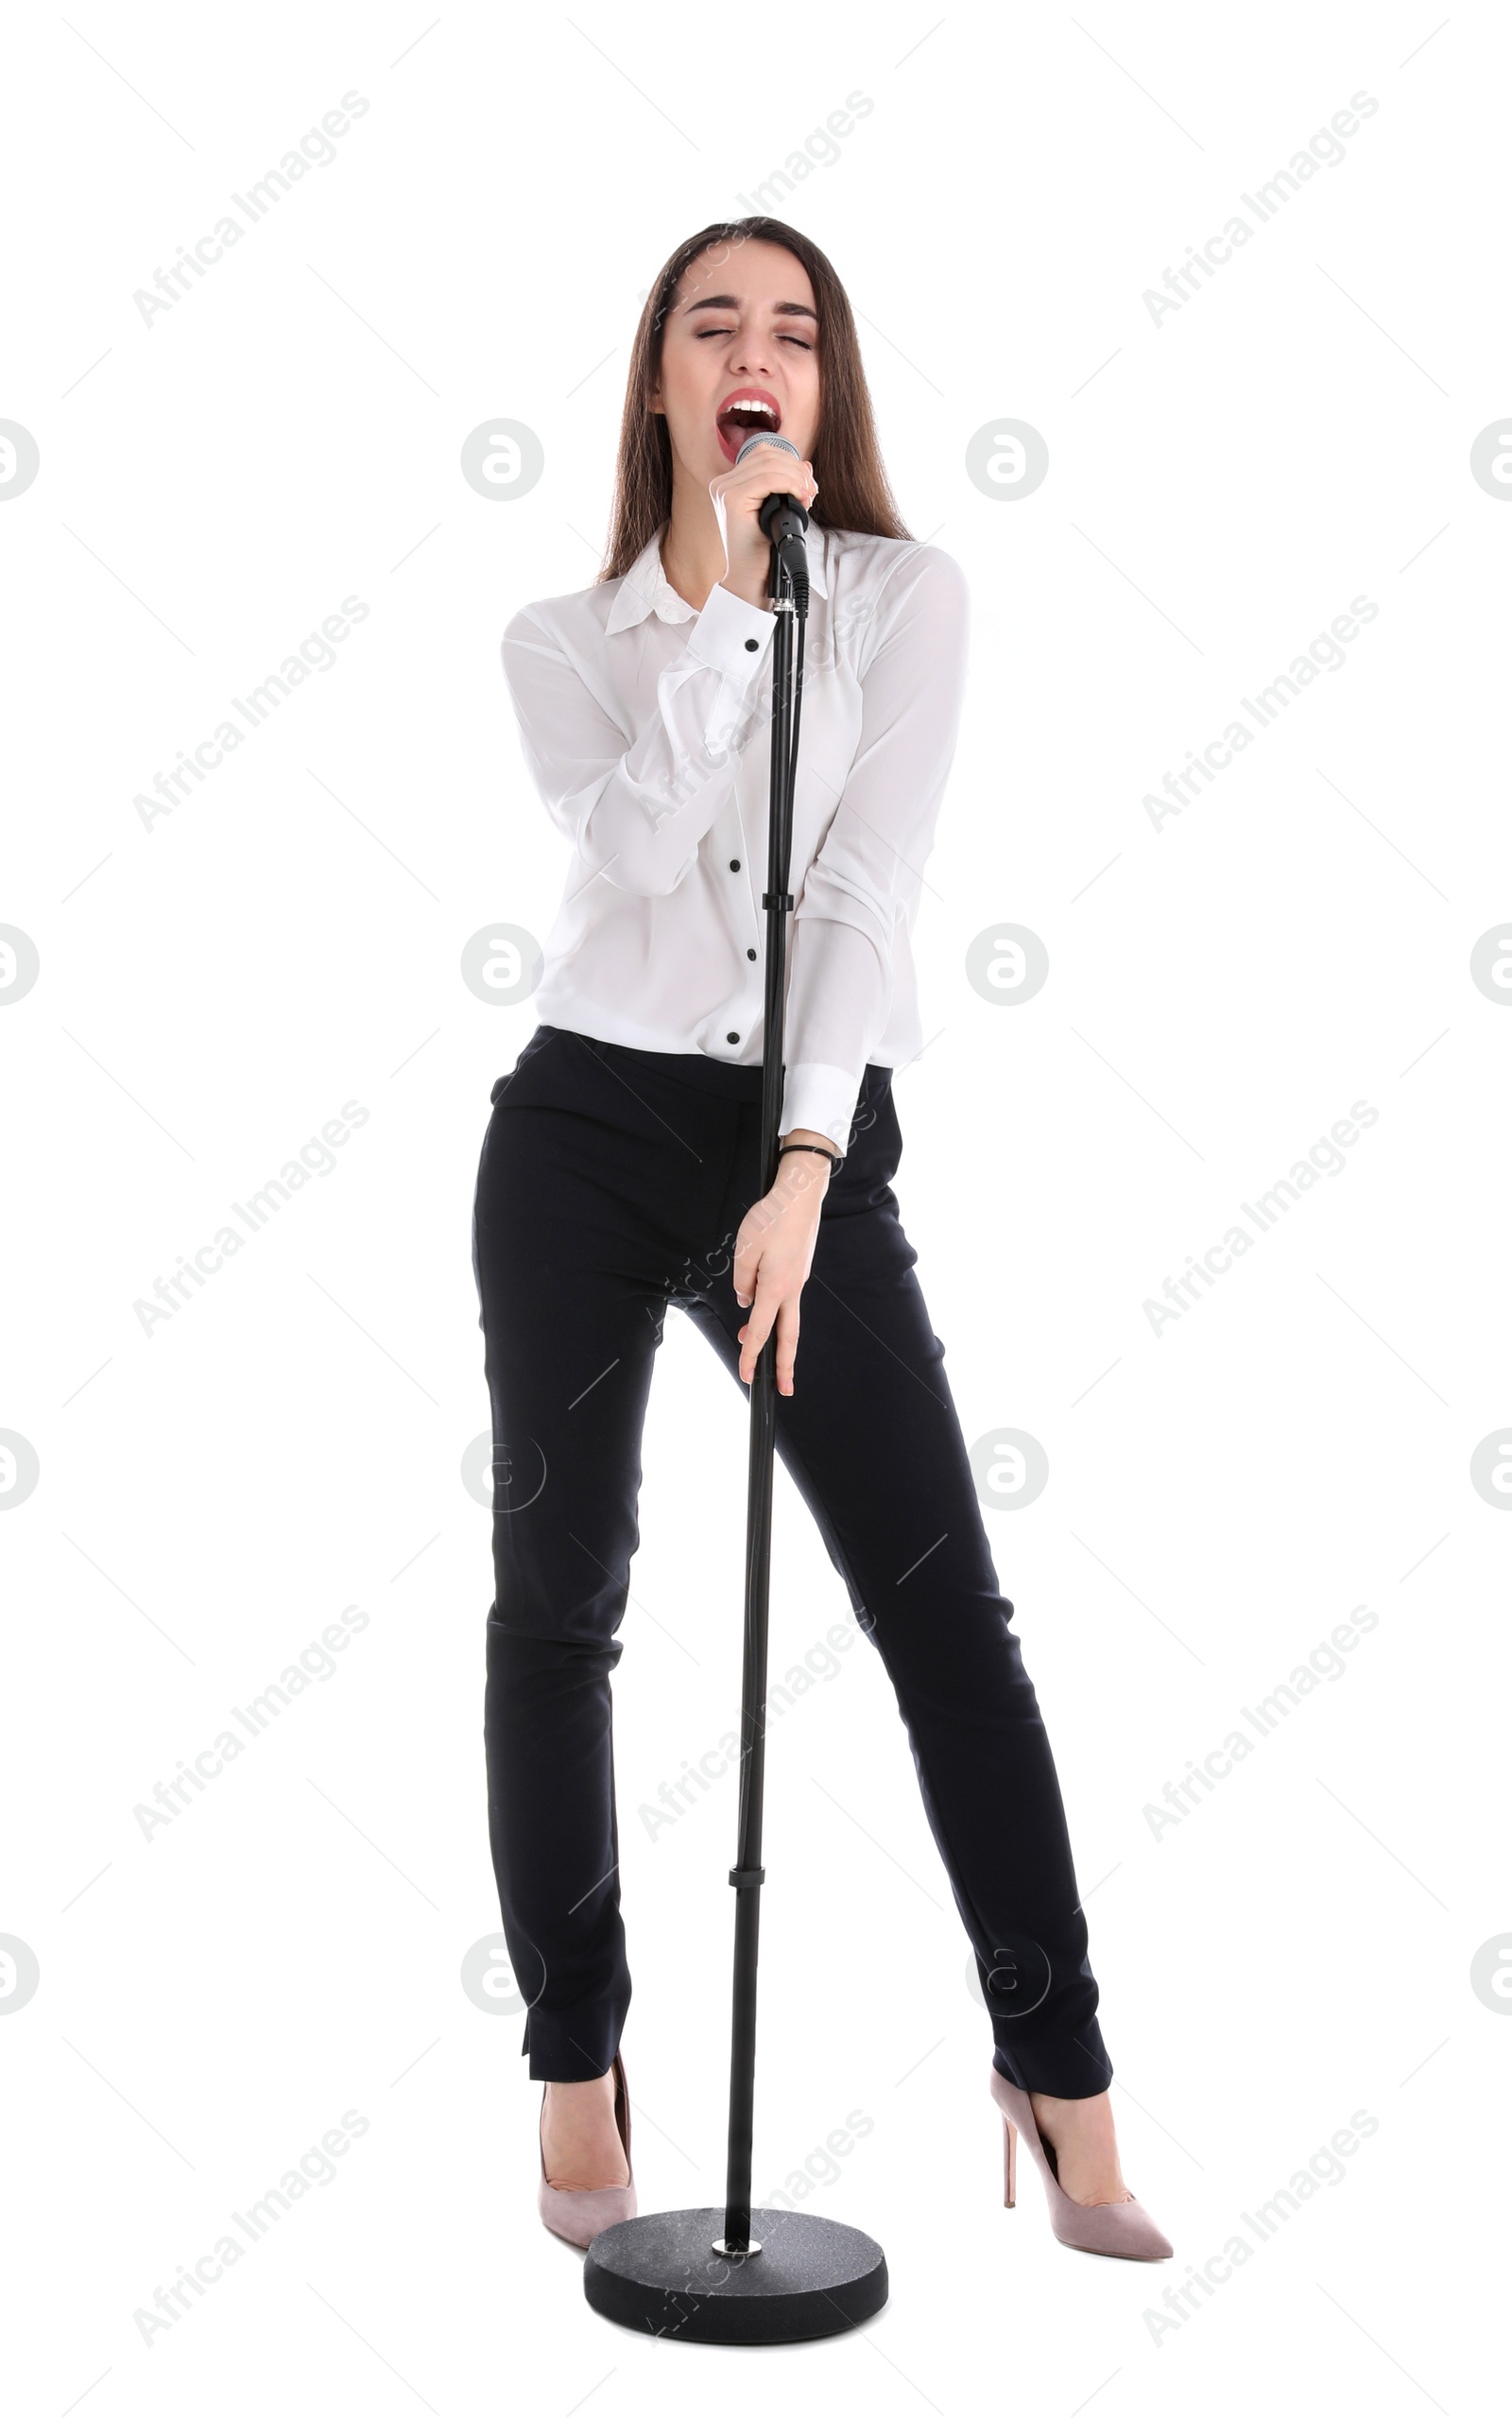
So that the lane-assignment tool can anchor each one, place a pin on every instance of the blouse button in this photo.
(735, 866)
(751, 643)
(732, 1035)
(751, 952)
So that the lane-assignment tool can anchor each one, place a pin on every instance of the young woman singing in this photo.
(619, 1174)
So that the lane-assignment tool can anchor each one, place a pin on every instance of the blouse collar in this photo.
(644, 587)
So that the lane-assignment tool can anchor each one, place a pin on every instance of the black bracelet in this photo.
(834, 1157)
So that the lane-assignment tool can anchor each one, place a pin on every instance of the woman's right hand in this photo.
(774, 1254)
(739, 497)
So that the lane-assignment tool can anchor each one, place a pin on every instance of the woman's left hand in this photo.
(773, 1253)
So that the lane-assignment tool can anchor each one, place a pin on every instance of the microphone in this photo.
(783, 519)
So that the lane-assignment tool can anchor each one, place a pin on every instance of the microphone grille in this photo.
(764, 440)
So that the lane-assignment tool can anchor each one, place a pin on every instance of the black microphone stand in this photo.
(739, 2275)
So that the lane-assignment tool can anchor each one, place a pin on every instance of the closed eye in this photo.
(718, 330)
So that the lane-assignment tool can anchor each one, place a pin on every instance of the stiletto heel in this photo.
(577, 2215)
(1009, 2143)
(1112, 2228)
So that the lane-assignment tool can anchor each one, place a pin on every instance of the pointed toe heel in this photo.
(1112, 2229)
(577, 2215)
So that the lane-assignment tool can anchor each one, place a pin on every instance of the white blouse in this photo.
(652, 750)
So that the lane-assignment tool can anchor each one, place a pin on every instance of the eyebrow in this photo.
(703, 304)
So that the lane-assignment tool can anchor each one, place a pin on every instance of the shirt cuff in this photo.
(722, 629)
(819, 1100)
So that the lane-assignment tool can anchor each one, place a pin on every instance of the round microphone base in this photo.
(661, 2276)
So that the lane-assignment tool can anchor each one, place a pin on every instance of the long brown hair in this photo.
(854, 488)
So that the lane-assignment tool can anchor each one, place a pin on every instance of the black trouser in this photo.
(612, 1182)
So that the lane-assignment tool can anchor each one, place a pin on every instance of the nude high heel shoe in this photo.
(577, 2215)
(1114, 2228)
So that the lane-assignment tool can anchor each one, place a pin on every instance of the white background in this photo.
(211, 989)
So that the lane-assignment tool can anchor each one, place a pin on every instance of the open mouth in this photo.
(746, 412)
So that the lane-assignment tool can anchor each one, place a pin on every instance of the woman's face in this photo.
(742, 325)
